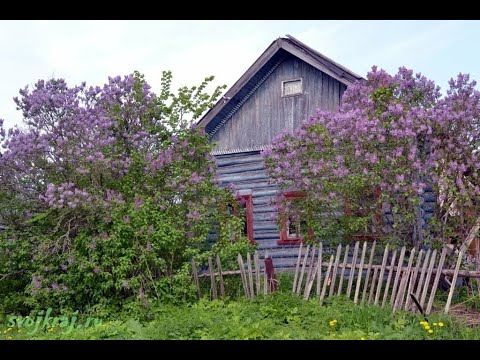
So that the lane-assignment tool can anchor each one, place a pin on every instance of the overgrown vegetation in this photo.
(107, 193)
(393, 138)
(278, 316)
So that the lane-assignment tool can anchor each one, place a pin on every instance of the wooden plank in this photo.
(389, 277)
(335, 268)
(220, 276)
(310, 270)
(311, 265)
(213, 282)
(300, 278)
(297, 268)
(325, 282)
(428, 277)
(435, 282)
(413, 279)
(369, 269)
(319, 269)
(257, 271)
(403, 284)
(242, 275)
(454, 281)
(310, 283)
(352, 269)
(250, 275)
(195, 278)
(360, 273)
(345, 258)
(372, 286)
(397, 275)
(422, 275)
(382, 273)
(265, 281)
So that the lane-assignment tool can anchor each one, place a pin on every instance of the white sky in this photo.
(93, 50)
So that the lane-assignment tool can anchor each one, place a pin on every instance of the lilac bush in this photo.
(392, 133)
(107, 192)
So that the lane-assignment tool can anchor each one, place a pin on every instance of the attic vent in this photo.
(292, 87)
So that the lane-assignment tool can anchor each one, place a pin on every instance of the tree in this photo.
(108, 192)
(399, 135)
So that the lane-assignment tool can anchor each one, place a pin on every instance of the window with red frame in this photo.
(292, 224)
(246, 203)
(361, 210)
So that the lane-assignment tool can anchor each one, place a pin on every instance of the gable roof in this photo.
(251, 80)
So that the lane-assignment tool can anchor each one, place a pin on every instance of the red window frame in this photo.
(248, 215)
(284, 238)
(377, 192)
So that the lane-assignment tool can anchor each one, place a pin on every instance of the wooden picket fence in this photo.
(389, 283)
(399, 280)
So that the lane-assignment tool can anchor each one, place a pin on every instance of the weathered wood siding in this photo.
(246, 171)
(266, 113)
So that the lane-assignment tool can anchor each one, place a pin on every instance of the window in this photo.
(246, 203)
(292, 225)
(292, 87)
(363, 209)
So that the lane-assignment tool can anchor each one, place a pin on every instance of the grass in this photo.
(278, 316)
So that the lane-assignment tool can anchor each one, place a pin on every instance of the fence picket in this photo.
(335, 268)
(360, 273)
(413, 279)
(345, 258)
(369, 270)
(213, 283)
(397, 275)
(250, 275)
(427, 278)
(256, 262)
(300, 279)
(297, 268)
(404, 282)
(435, 282)
(454, 281)
(352, 269)
(382, 273)
(319, 270)
(220, 276)
(325, 282)
(389, 277)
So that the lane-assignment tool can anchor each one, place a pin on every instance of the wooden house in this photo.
(282, 88)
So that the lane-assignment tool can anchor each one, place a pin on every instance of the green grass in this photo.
(278, 316)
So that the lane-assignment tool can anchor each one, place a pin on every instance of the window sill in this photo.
(297, 241)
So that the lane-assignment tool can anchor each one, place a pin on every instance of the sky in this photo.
(93, 50)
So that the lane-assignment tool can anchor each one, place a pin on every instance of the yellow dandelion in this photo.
(9, 329)
(430, 331)
(9, 338)
(435, 324)
(427, 327)
(362, 338)
(423, 322)
(440, 324)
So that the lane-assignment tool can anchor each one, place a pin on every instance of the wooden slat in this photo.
(265, 281)
(369, 270)
(427, 278)
(195, 278)
(403, 284)
(335, 268)
(309, 286)
(297, 268)
(413, 279)
(352, 269)
(360, 272)
(372, 286)
(213, 282)
(300, 278)
(435, 282)
(397, 275)
(422, 275)
(389, 277)
(319, 270)
(454, 281)
(257, 271)
(382, 273)
(220, 276)
(325, 282)
(311, 267)
(345, 259)
(243, 277)
(250, 275)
